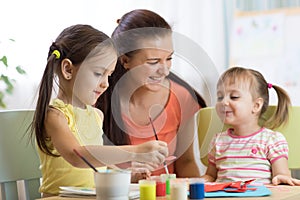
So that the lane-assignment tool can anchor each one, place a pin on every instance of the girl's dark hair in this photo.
(75, 43)
(259, 88)
(133, 27)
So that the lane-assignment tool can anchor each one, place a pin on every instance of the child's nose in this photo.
(104, 82)
(225, 101)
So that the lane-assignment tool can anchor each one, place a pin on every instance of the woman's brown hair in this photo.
(133, 27)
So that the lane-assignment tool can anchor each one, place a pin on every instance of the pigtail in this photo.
(281, 114)
(45, 92)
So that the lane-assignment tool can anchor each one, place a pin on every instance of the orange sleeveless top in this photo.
(179, 108)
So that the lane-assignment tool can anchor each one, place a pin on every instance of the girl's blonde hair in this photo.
(259, 88)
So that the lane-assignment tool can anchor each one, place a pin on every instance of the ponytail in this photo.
(45, 93)
(281, 114)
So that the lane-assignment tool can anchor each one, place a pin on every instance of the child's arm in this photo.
(281, 173)
(211, 173)
(140, 171)
(64, 141)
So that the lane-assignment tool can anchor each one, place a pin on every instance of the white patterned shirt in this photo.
(240, 158)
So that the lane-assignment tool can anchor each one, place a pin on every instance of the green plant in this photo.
(6, 81)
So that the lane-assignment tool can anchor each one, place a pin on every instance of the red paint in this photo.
(160, 189)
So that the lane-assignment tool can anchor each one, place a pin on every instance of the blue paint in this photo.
(197, 191)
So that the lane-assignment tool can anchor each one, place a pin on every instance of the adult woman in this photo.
(143, 87)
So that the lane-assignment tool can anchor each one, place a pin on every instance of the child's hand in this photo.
(153, 152)
(284, 179)
(208, 178)
(139, 173)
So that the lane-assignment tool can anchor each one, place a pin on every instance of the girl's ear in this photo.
(124, 61)
(67, 69)
(258, 103)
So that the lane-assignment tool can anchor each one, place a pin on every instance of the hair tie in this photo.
(118, 21)
(56, 53)
(270, 85)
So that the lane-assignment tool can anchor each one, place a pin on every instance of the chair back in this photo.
(291, 132)
(209, 124)
(19, 160)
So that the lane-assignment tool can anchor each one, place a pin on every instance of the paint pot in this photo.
(178, 190)
(112, 184)
(160, 185)
(168, 177)
(196, 187)
(147, 189)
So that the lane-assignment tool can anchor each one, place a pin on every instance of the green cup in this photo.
(168, 177)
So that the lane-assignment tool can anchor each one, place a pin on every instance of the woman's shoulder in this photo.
(186, 99)
(180, 91)
(177, 87)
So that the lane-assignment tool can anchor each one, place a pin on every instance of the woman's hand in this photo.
(152, 152)
(139, 165)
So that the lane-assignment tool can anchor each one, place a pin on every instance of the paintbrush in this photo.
(85, 160)
(155, 134)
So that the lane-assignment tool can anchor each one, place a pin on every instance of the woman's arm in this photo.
(64, 141)
(186, 165)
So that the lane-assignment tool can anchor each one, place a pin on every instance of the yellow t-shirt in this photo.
(86, 125)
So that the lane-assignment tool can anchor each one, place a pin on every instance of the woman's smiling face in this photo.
(150, 65)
